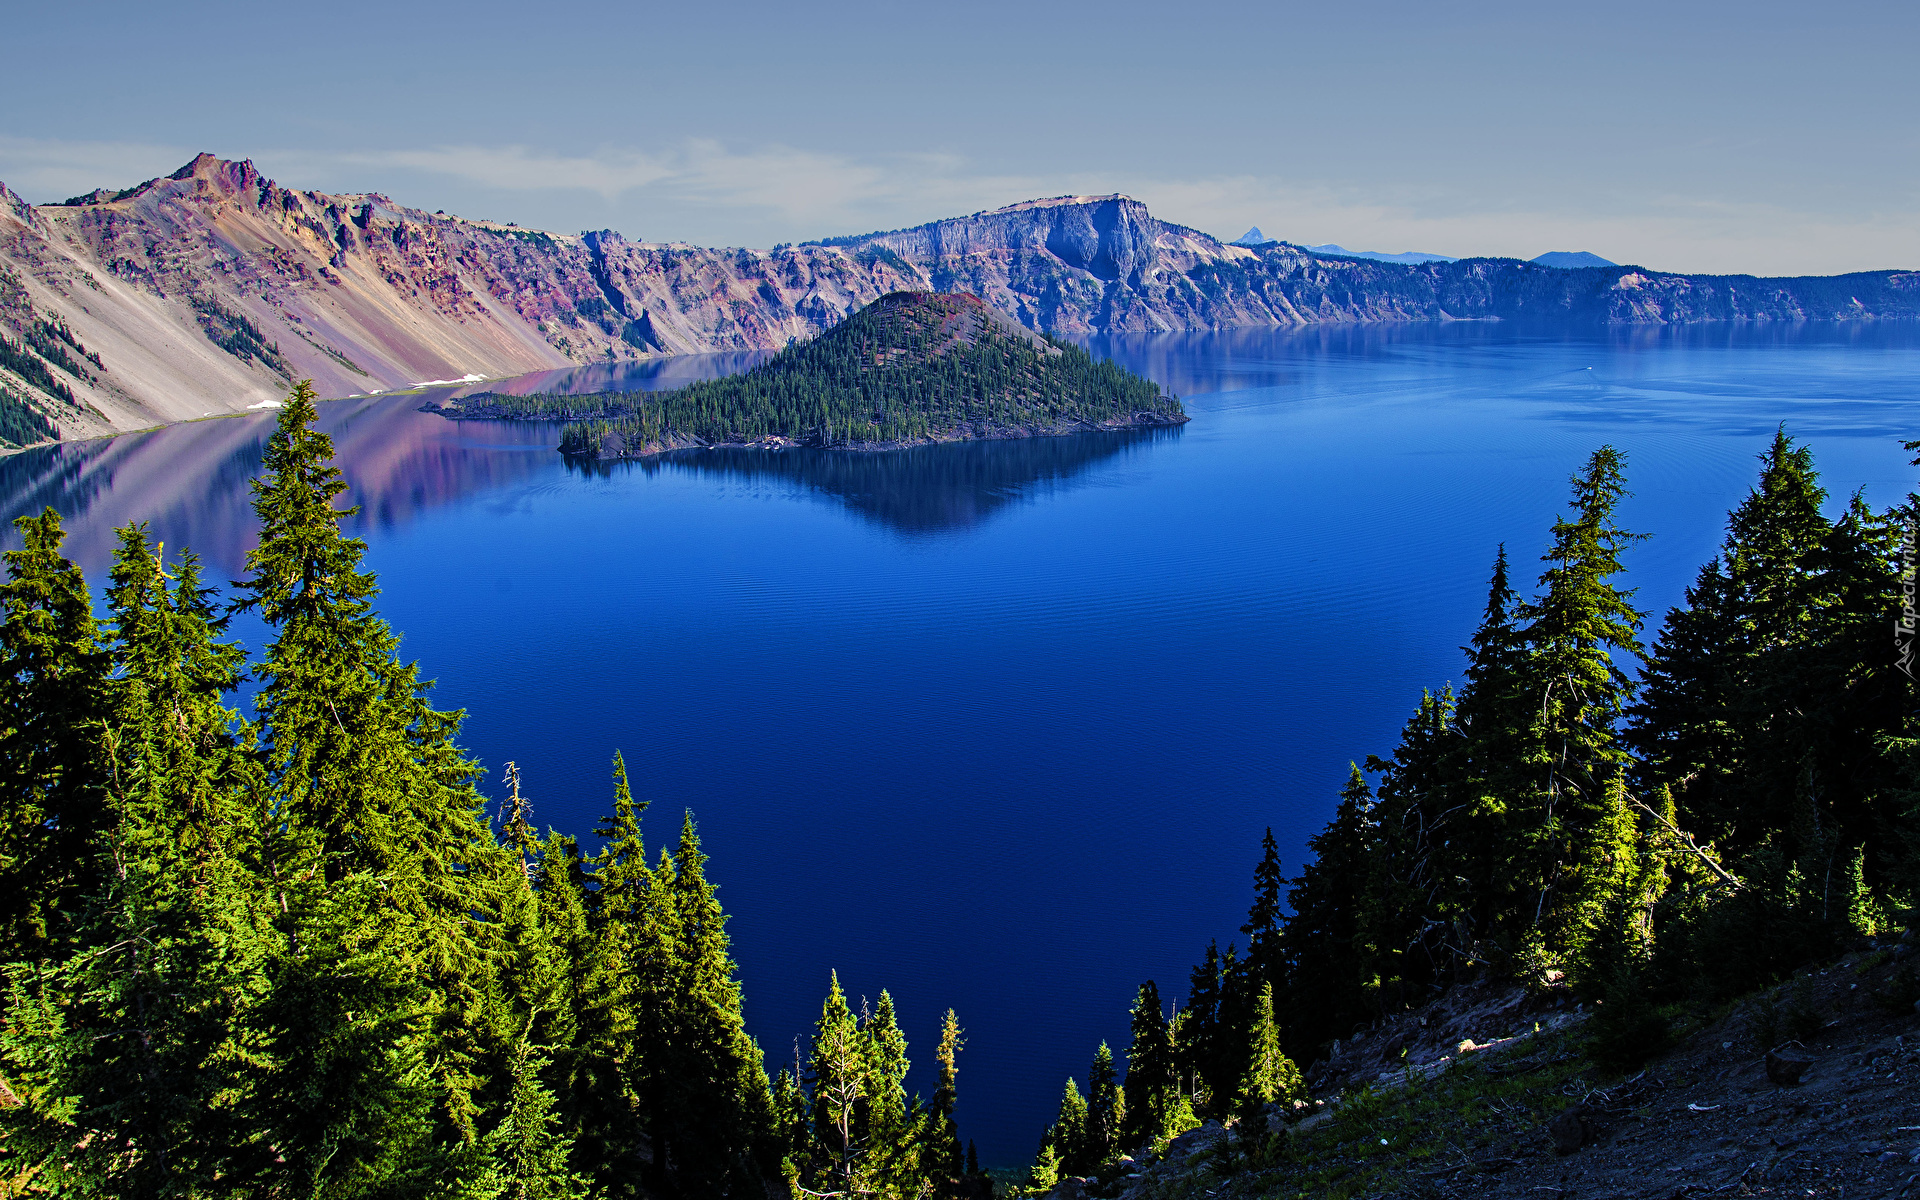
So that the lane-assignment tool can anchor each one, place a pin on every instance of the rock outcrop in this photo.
(208, 290)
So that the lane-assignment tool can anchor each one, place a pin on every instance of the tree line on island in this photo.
(293, 954)
(912, 366)
(1748, 805)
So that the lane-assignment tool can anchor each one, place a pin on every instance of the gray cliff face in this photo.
(361, 293)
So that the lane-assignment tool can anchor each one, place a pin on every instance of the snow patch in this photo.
(444, 382)
(267, 404)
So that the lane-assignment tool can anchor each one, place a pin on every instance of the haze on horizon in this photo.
(1761, 138)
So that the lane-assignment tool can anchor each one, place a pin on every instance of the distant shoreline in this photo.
(614, 447)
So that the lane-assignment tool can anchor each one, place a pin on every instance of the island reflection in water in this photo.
(918, 490)
(191, 482)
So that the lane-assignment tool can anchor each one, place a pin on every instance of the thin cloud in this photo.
(779, 192)
(43, 170)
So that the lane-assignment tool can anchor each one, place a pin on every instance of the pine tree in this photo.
(1265, 959)
(529, 1148)
(622, 995)
(942, 1156)
(53, 682)
(1324, 965)
(1152, 1078)
(1406, 903)
(1069, 1135)
(712, 1106)
(1106, 1111)
(1578, 692)
(1045, 1172)
(1481, 773)
(836, 1081)
(1270, 1074)
(137, 1031)
(1197, 1046)
(891, 1121)
(376, 796)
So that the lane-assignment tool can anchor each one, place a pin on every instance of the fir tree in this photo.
(1270, 1074)
(1576, 689)
(1106, 1110)
(530, 1150)
(837, 1081)
(943, 1155)
(1324, 966)
(1069, 1135)
(1265, 958)
(53, 681)
(1152, 1078)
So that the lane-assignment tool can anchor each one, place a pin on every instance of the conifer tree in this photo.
(1045, 1172)
(837, 1081)
(1406, 903)
(1068, 1138)
(1152, 1078)
(1322, 933)
(1265, 964)
(942, 1157)
(622, 999)
(529, 1147)
(890, 1119)
(136, 1031)
(53, 680)
(1270, 1074)
(712, 1104)
(1577, 690)
(1106, 1111)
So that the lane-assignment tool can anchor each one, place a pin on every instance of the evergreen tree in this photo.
(890, 1119)
(1265, 964)
(1106, 1111)
(1069, 1135)
(1577, 691)
(529, 1148)
(942, 1156)
(836, 1081)
(1406, 906)
(53, 682)
(1481, 773)
(712, 1107)
(623, 999)
(1152, 1077)
(1322, 934)
(1045, 1172)
(1270, 1074)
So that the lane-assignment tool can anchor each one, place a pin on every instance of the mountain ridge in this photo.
(208, 290)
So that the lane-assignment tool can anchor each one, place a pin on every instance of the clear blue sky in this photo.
(1766, 137)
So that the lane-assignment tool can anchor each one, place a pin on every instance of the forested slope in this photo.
(301, 954)
(1653, 847)
(912, 367)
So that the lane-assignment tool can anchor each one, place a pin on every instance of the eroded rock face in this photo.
(363, 294)
(170, 282)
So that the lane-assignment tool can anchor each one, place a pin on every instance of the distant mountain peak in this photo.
(1572, 260)
(1253, 237)
(1412, 257)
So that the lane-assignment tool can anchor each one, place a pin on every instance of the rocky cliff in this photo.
(207, 291)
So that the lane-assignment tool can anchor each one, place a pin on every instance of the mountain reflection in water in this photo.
(190, 481)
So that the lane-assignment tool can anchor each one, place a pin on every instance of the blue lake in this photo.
(998, 726)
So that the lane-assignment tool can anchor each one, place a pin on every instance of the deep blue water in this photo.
(998, 726)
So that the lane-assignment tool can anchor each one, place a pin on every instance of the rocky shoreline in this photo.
(614, 445)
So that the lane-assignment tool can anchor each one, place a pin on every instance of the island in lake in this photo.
(910, 369)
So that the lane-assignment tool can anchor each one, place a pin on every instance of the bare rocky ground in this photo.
(1489, 1093)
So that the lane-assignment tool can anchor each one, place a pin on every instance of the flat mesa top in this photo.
(1055, 202)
